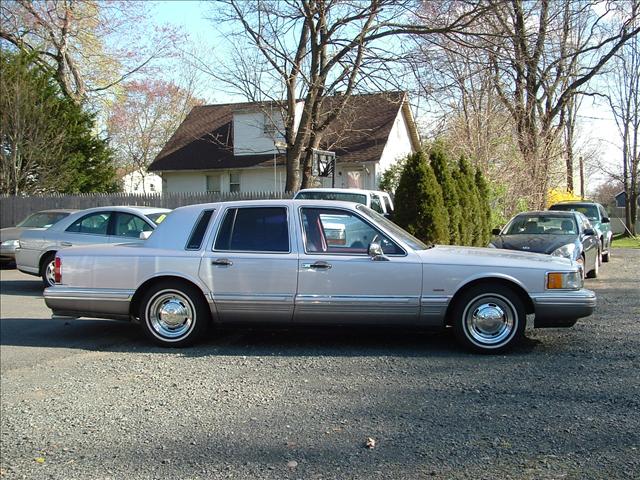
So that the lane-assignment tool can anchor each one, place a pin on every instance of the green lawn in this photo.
(620, 241)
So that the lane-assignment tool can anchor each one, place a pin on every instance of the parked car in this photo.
(273, 261)
(39, 220)
(376, 200)
(598, 217)
(37, 249)
(561, 234)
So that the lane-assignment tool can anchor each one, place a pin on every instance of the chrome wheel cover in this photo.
(50, 273)
(170, 315)
(490, 320)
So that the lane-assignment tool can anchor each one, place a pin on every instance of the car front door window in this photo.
(341, 232)
(130, 226)
(93, 224)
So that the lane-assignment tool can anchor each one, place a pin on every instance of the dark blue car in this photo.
(561, 234)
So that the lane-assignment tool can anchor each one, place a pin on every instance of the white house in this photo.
(232, 147)
(137, 181)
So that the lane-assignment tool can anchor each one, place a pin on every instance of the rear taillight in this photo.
(57, 270)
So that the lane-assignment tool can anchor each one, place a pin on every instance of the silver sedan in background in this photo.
(36, 221)
(101, 225)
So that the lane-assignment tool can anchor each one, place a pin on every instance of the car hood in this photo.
(491, 257)
(533, 243)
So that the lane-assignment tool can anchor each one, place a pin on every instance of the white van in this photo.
(376, 200)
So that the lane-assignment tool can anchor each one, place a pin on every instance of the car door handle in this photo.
(66, 244)
(317, 265)
(223, 262)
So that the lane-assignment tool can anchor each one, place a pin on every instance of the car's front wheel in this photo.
(489, 318)
(174, 315)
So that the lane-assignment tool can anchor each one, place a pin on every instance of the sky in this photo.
(596, 124)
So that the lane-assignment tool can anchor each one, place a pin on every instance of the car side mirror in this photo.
(589, 231)
(375, 251)
(605, 220)
(145, 235)
(496, 231)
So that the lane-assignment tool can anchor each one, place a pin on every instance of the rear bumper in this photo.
(562, 309)
(89, 302)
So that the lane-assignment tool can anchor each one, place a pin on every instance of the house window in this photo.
(213, 183)
(234, 182)
(152, 187)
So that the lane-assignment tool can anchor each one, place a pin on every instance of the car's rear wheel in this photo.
(47, 270)
(489, 318)
(174, 315)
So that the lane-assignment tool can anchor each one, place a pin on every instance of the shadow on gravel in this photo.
(22, 288)
(109, 335)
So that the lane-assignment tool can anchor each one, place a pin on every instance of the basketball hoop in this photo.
(323, 164)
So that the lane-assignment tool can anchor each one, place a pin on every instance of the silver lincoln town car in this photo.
(310, 262)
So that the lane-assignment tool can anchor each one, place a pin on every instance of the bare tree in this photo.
(624, 100)
(144, 118)
(90, 46)
(313, 49)
(542, 54)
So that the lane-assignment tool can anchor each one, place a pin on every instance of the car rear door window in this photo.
(259, 229)
(92, 224)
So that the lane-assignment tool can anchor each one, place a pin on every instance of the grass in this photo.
(623, 241)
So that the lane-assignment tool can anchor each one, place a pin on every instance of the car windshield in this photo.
(399, 233)
(590, 211)
(42, 219)
(339, 196)
(541, 225)
(157, 218)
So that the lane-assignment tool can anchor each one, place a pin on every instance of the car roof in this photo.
(549, 213)
(127, 208)
(267, 202)
(338, 190)
(57, 210)
(576, 202)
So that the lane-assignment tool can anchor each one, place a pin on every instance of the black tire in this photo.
(186, 312)
(594, 272)
(46, 269)
(497, 334)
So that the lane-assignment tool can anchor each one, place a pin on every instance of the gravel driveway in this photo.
(89, 399)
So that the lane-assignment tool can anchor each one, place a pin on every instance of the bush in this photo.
(442, 171)
(419, 207)
(469, 206)
(485, 208)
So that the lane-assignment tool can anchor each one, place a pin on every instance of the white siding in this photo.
(249, 136)
(262, 179)
(398, 145)
(367, 172)
(184, 182)
(137, 182)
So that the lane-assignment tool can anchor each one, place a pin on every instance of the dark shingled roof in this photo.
(204, 140)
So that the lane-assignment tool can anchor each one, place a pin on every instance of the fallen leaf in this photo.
(39, 459)
(370, 443)
(292, 464)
